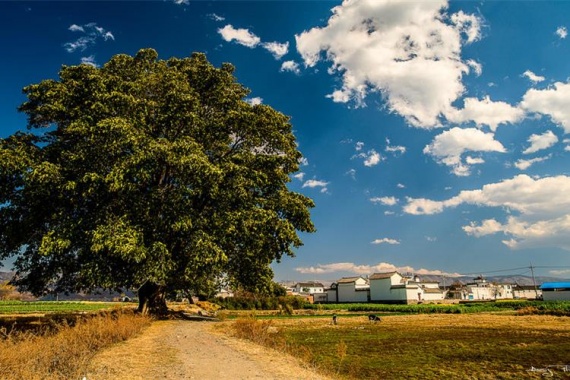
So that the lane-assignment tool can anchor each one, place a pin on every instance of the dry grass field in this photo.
(426, 346)
(63, 349)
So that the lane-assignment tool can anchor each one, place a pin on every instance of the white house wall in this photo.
(346, 293)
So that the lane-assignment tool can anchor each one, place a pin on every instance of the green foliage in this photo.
(25, 307)
(256, 302)
(148, 169)
(539, 307)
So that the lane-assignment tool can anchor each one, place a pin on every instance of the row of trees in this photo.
(148, 173)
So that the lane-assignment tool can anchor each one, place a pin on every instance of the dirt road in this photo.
(192, 350)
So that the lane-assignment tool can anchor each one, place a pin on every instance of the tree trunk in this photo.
(152, 298)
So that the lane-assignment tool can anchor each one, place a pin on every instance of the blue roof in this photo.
(555, 285)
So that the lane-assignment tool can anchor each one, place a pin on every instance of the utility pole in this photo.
(533, 280)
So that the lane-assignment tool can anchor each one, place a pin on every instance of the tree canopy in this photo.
(148, 170)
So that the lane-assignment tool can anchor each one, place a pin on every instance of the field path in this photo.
(193, 350)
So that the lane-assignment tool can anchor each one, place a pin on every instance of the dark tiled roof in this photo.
(379, 276)
(348, 280)
(310, 284)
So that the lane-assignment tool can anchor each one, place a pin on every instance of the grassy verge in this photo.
(469, 346)
(64, 353)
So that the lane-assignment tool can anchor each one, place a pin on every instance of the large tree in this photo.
(148, 171)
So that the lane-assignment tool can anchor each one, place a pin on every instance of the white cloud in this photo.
(241, 36)
(89, 61)
(360, 269)
(387, 201)
(533, 77)
(409, 52)
(485, 112)
(181, 2)
(537, 210)
(254, 101)
(359, 145)
(540, 142)
(91, 32)
(291, 66)
(474, 160)
(304, 161)
(431, 239)
(351, 173)
(277, 49)
(299, 176)
(313, 183)
(385, 241)
(448, 147)
(371, 158)
(562, 32)
(552, 102)
(476, 66)
(216, 17)
(525, 164)
(401, 186)
(395, 149)
(76, 28)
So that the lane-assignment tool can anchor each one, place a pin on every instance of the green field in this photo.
(42, 307)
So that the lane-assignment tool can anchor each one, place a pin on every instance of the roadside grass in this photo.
(422, 346)
(64, 350)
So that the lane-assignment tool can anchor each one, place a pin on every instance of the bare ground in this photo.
(193, 350)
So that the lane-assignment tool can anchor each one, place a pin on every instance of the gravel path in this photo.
(193, 350)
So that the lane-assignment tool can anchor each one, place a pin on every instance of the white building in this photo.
(555, 291)
(308, 288)
(526, 292)
(349, 289)
(394, 288)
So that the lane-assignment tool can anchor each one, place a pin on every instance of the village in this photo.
(394, 287)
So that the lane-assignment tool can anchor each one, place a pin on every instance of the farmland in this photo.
(502, 345)
(41, 307)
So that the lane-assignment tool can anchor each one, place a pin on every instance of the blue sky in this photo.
(435, 133)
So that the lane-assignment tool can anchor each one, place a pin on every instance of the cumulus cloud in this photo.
(386, 201)
(90, 34)
(448, 147)
(562, 32)
(277, 49)
(552, 102)
(385, 241)
(241, 36)
(246, 38)
(537, 210)
(523, 164)
(291, 66)
(254, 101)
(486, 112)
(540, 142)
(361, 269)
(371, 157)
(409, 52)
(533, 77)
